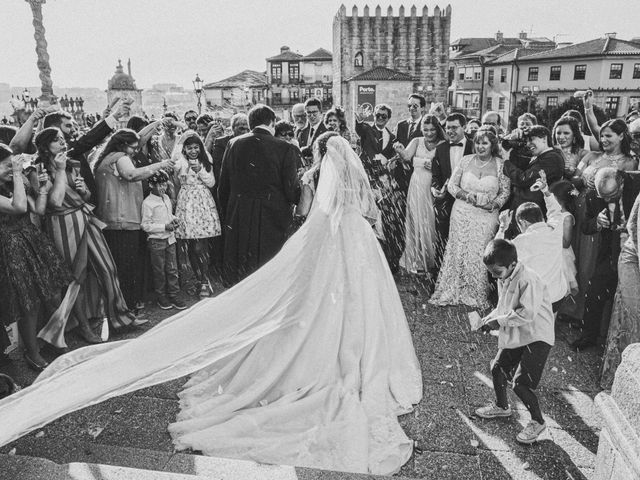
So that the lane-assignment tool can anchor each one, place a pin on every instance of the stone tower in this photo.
(414, 44)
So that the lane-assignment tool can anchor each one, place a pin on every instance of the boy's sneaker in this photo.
(177, 303)
(531, 432)
(164, 304)
(493, 411)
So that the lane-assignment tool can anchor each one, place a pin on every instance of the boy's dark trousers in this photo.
(528, 364)
(164, 265)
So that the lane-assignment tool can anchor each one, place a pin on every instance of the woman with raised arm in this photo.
(32, 274)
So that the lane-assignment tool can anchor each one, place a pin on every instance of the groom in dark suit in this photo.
(258, 187)
(447, 157)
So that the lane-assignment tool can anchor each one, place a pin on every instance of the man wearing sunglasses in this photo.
(190, 120)
(408, 129)
(377, 157)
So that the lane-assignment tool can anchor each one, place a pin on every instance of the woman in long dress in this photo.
(615, 151)
(420, 224)
(480, 188)
(309, 361)
(624, 328)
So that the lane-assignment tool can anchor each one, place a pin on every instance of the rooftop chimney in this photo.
(284, 49)
(499, 36)
(522, 35)
(129, 66)
(610, 34)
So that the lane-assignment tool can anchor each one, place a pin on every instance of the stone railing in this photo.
(619, 447)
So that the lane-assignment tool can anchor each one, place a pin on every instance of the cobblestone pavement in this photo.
(452, 442)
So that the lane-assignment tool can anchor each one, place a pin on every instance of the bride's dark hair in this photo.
(321, 142)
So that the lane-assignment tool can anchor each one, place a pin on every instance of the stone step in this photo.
(105, 462)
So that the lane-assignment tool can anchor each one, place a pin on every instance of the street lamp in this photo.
(197, 88)
(530, 93)
(41, 50)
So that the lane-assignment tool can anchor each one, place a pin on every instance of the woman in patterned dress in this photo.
(198, 219)
(77, 233)
(480, 188)
(32, 274)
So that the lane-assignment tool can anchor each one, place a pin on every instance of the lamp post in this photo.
(197, 88)
(530, 93)
(41, 50)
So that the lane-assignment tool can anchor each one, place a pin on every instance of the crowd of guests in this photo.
(92, 222)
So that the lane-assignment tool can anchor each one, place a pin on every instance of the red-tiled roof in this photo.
(515, 53)
(287, 55)
(319, 54)
(246, 78)
(591, 48)
(382, 73)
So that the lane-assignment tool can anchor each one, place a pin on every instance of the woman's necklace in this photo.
(612, 159)
(480, 167)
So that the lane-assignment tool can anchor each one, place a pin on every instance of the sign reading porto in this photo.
(366, 101)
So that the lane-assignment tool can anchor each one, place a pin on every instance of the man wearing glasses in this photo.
(408, 129)
(377, 158)
(447, 157)
(315, 127)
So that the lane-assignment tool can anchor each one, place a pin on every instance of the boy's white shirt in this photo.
(524, 310)
(156, 213)
(540, 248)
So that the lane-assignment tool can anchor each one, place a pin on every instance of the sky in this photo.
(169, 41)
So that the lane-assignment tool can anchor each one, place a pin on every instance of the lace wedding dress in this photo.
(463, 277)
(307, 362)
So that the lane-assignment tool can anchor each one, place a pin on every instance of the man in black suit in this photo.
(258, 187)
(315, 126)
(408, 129)
(377, 153)
(239, 126)
(446, 158)
(607, 208)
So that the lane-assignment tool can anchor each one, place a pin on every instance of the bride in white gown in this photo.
(308, 362)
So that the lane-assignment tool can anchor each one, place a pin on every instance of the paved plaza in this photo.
(452, 443)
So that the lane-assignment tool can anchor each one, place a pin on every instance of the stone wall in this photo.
(619, 447)
(416, 44)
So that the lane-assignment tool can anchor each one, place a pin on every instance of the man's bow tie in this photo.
(459, 144)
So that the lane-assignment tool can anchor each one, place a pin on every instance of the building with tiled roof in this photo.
(383, 74)
(238, 92)
(293, 77)
(609, 66)
(468, 55)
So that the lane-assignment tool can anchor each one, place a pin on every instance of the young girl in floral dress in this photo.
(198, 219)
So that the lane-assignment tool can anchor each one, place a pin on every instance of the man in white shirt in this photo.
(539, 244)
